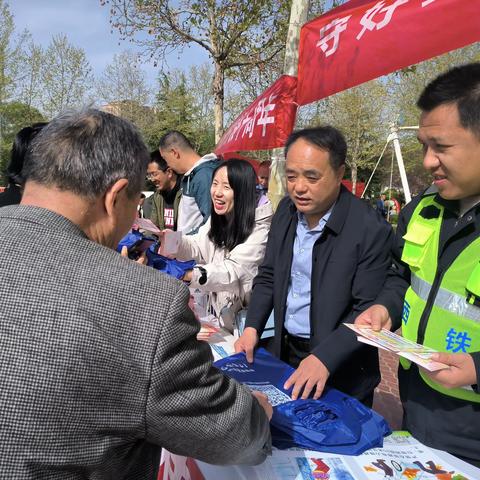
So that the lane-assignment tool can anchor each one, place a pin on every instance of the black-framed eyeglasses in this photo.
(151, 176)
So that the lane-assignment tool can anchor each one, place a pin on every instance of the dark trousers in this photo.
(295, 349)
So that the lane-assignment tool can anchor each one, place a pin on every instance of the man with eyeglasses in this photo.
(166, 198)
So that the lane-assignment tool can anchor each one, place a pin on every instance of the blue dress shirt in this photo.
(297, 315)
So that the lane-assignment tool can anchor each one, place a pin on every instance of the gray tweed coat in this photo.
(100, 366)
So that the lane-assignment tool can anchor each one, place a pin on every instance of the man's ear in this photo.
(176, 152)
(169, 173)
(113, 195)
(341, 172)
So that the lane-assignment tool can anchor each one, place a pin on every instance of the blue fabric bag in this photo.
(132, 238)
(170, 266)
(335, 423)
(136, 243)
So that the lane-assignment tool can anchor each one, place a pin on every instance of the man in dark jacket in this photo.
(433, 287)
(326, 260)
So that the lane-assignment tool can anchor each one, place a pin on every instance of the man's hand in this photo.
(376, 316)
(142, 259)
(187, 276)
(460, 372)
(247, 343)
(264, 403)
(310, 373)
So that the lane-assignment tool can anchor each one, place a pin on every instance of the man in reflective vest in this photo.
(433, 288)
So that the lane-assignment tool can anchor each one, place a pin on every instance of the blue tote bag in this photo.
(335, 423)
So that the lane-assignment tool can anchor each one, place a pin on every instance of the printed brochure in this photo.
(392, 342)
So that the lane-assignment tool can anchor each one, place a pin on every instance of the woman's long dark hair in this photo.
(228, 231)
(21, 143)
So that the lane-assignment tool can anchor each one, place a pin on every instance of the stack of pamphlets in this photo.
(386, 340)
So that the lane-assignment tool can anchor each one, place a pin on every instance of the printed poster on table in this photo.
(401, 458)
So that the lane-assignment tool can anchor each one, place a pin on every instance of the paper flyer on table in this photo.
(207, 331)
(392, 342)
(404, 458)
(221, 342)
(401, 458)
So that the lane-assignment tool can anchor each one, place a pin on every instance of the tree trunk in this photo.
(218, 95)
(355, 155)
(353, 168)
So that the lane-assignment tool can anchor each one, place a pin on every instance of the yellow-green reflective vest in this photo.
(453, 325)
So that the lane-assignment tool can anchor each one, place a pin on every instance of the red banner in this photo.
(364, 39)
(266, 123)
(359, 187)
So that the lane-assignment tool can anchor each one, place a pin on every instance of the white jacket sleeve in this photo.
(233, 271)
(197, 247)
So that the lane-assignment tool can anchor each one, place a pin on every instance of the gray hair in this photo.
(86, 152)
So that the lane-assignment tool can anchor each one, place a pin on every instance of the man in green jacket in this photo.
(167, 195)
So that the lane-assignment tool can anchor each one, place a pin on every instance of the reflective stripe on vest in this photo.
(449, 301)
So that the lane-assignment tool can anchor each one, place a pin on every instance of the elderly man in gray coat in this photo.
(99, 362)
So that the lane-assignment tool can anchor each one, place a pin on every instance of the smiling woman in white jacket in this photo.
(230, 246)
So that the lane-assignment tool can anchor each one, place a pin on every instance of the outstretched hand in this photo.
(310, 374)
(376, 317)
(142, 259)
(264, 403)
(247, 343)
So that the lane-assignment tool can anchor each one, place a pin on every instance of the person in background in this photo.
(325, 262)
(380, 205)
(433, 287)
(148, 206)
(231, 245)
(100, 362)
(263, 176)
(13, 194)
(166, 199)
(197, 172)
(140, 206)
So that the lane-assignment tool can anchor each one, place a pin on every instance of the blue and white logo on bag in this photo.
(237, 367)
(275, 396)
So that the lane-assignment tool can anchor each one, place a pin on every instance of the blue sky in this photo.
(86, 24)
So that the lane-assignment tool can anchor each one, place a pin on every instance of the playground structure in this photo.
(397, 153)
